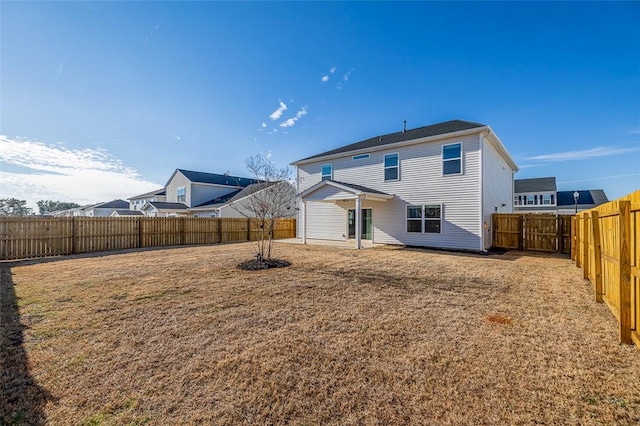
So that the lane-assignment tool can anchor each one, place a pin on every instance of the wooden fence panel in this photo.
(23, 238)
(607, 248)
(533, 232)
(507, 231)
(34, 237)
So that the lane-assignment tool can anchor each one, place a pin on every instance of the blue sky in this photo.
(103, 100)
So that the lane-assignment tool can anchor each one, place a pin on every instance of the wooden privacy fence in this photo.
(22, 238)
(532, 232)
(607, 248)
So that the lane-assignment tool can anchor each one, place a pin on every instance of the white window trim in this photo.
(452, 159)
(322, 175)
(424, 218)
(385, 168)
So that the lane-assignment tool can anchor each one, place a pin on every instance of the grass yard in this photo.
(371, 337)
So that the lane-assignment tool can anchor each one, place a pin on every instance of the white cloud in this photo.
(292, 121)
(325, 78)
(333, 70)
(278, 113)
(264, 124)
(54, 172)
(601, 151)
(635, 132)
(346, 76)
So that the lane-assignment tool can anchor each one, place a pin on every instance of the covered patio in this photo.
(330, 191)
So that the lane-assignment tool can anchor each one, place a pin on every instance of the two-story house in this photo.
(540, 195)
(434, 186)
(191, 193)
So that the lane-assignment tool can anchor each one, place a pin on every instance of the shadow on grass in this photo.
(21, 399)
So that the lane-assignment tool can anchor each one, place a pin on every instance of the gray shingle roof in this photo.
(115, 204)
(535, 185)
(160, 205)
(160, 191)
(235, 195)
(360, 188)
(129, 212)
(421, 132)
(203, 177)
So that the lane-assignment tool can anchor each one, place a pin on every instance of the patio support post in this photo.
(358, 220)
(303, 220)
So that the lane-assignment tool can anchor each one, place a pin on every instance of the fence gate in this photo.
(540, 233)
(532, 232)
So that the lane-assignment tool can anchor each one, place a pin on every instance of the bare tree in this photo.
(266, 202)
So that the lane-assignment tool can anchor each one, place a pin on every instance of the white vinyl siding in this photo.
(422, 183)
(497, 188)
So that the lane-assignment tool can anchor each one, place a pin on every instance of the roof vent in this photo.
(404, 126)
(379, 138)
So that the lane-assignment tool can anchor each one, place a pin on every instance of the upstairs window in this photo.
(452, 159)
(327, 171)
(546, 199)
(530, 200)
(391, 171)
(181, 194)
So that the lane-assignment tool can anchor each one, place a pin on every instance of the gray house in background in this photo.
(201, 194)
(537, 195)
(540, 195)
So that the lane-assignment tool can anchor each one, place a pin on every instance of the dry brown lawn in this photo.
(373, 337)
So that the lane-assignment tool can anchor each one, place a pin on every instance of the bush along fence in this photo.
(532, 232)
(607, 248)
(23, 238)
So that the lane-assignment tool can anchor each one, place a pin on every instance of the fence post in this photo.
(73, 234)
(183, 230)
(572, 238)
(219, 230)
(597, 254)
(625, 272)
(140, 232)
(521, 224)
(585, 246)
(578, 242)
(248, 229)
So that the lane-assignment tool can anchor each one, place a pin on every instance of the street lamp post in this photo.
(576, 195)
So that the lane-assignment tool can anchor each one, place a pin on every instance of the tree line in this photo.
(16, 207)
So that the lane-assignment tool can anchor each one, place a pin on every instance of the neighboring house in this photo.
(235, 203)
(587, 199)
(102, 209)
(434, 186)
(138, 202)
(127, 213)
(200, 194)
(539, 195)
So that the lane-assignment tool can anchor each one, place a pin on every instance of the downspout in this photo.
(481, 191)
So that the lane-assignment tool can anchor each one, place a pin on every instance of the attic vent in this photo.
(404, 126)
